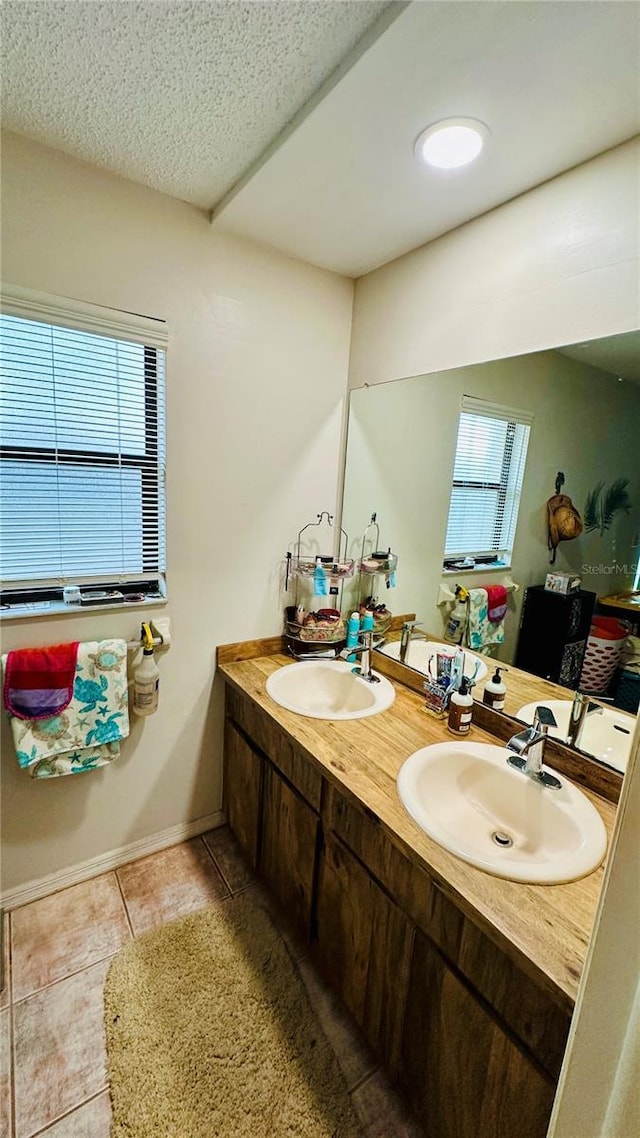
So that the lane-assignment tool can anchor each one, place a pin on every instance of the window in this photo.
(82, 449)
(491, 451)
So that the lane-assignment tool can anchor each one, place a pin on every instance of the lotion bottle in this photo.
(460, 710)
(495, 691)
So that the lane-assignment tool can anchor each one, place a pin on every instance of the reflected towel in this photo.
(496, 602)
(482, 633)
(87, 734)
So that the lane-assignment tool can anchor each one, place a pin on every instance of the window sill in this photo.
(59, 608)
(504, 568)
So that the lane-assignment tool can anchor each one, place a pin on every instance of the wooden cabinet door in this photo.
(242, 790)
(288, 849)
(465, 1076)
(363, 947)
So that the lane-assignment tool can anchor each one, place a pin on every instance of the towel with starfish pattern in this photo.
(87, 734)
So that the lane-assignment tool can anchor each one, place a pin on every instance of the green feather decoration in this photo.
(590, 514)
(600, 510)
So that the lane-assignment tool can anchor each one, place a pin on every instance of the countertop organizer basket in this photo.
(323, 632)
(374, 567)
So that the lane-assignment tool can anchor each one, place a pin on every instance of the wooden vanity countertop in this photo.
(545, 929)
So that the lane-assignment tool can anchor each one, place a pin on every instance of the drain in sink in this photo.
(502, 839)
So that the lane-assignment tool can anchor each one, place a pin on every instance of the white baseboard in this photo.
(44, 886)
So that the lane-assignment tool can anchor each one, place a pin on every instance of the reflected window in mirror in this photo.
(490, 457)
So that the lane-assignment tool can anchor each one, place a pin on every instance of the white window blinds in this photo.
(82, 444)
(491, 451)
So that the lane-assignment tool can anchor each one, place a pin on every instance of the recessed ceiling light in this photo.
(451, 143)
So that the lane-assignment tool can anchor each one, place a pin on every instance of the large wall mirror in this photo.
(584, 405)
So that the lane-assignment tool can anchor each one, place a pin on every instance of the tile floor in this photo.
(53, 1080)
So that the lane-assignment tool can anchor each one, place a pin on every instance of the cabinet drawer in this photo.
(275, 743)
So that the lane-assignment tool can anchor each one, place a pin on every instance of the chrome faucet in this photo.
(580, 709)
(364, 650)
(529, 745)
(408, 634)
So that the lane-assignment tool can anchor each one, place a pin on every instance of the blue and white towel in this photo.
(87, 734)
(482, 633)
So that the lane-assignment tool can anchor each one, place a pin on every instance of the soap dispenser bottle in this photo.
(495, 691)
(460, 710)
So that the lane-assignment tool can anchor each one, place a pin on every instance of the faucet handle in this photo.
(544, 718)
(408, 624)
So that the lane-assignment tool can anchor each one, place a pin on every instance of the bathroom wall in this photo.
(256, 376)
(400, 456)
(554, 266)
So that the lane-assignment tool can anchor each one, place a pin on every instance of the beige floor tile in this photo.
(92, 1120)
(66, 932)
(5, 999)
(229, 858)
(351, 1050)
(5, 1073)
(59, 1049)
(381, 1112)
(170, 884)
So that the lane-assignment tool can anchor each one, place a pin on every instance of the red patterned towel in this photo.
(496, 602)
(38, 682)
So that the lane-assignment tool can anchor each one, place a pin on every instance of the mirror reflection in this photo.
(487, 479)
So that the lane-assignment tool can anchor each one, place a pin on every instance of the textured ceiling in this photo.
(180, 96)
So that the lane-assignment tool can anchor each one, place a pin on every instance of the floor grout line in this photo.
(364, 1078)
(126, 907)
(66, 1113)
(219, 869)
(62, 979)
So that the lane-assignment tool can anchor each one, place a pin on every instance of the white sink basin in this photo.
(606, 735)
(328, 689)
(419, 651)
(466, 797)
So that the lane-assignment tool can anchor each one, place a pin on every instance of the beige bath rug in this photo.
(210, 1034)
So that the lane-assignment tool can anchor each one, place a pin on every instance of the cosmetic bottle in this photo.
(320, 588)
(460, 710)
(495, 691)
(353, 628)
(367, 621)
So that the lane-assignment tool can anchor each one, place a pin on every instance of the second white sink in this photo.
(467, 797)
(606, 734)
(420, 651)
(328, 689)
